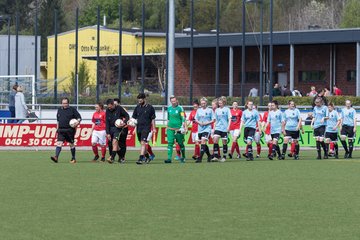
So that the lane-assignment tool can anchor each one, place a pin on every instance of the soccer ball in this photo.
(119, 123)
(73, 122)
(132, 122)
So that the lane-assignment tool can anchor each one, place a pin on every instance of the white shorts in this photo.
(149, 138)
(195, 137)
(235, 134)
(257, 137)
(268, 138)
(98, 137)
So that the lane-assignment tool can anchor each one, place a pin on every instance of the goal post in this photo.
(26, 81)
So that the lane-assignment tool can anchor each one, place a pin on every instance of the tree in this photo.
(159, 62)
(351, 16)
(83, 78)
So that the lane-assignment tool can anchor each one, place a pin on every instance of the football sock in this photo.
(343, 142)
(57, 151)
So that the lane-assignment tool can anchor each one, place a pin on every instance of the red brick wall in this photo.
(307, 58)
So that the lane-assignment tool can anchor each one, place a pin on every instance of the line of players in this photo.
(217, 122)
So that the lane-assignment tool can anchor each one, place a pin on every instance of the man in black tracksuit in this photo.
(65, 132)
(117, 135)
(144, 113)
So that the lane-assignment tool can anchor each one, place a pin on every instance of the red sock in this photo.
(232, 148)
(292, 148)
(332, 147)
(237, 148)
(95, 150)
(258, 148)
(270, 148)
(149, 149)
(197, 150)
(178, 150)
(246, 150)
(103, 151)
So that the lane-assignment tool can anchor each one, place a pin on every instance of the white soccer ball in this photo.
(119, 123)
(132, 122)
(73, 122)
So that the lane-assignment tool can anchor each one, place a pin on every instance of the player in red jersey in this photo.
(268, 138)
(236, 114)
(98, 135)
(194, 129)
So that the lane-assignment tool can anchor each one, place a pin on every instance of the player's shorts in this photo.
(98, 137)
(66, 135)
(294, 135)
(143, 135)
(319, 132)
(194, 137)
(223, 135)
(347, 131)
(332, 136)
(257, 137)
(249, 133)
(235, 133)
(268, 138)
(204, 135)
(275, 136)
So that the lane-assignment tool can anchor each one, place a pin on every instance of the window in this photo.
(351, 76)
(251, 77)
(312, 76)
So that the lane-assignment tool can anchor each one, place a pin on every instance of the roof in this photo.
(279, 38)
(134, 32)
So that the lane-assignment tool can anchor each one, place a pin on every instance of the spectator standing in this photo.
(12, 103)
(337, 91)
(21, 110)
(286, 91)
(327, 93)
(253, 92)
(309, 118)
(276, 90)
(313, 92)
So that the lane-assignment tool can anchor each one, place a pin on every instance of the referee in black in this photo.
(116, 135)
(65, 132)
(144, 113)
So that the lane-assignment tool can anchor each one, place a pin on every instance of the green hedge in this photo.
(156, 99)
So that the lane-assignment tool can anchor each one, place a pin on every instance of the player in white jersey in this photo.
(332, 129)
(348, 128)
(221, 127)
(249, 120)
(291, 129)
(275, 119)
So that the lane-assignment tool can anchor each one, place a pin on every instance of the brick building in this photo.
(301, 59)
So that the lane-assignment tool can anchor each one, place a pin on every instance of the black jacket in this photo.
(144, 115)
(64, 115)
(112, 115)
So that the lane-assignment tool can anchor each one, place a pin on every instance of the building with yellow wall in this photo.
(87, 46)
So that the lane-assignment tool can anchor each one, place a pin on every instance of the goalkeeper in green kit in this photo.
(176, 128)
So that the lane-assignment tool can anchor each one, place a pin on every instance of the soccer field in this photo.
(305, 199)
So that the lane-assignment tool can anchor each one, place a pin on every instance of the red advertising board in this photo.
(45, 135)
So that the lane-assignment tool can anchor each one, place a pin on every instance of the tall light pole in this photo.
(271, 52)
(7, 19)
(243, 48)
(171, 59)
(261, 2)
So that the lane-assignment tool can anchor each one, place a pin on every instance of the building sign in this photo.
(89, 48)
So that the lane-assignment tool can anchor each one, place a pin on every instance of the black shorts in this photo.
(205, 135)
(332, 136)
(293, 134)
(120, 134)
(249, 133)
(143, 134)
(221, 134)
(319, 132)
(66, 135)
(275, 136)
(347, 131)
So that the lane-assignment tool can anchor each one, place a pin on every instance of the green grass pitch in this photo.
(305, 199)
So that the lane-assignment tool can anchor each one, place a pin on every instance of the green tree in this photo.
(83, 77)
(351, 16)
